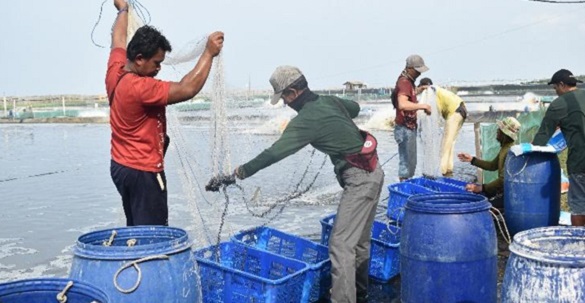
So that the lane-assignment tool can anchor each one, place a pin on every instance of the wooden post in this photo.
(477, 131)
(63, 103)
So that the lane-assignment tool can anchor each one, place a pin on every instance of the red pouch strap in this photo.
(367, 158)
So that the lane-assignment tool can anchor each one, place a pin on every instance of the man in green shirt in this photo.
(568, 112)
(325, 122)
(508, 129)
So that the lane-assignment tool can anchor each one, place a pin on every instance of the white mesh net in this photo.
(430, 135)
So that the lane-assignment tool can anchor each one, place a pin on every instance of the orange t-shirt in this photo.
(137, 116)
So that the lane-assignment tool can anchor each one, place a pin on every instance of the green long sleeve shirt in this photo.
(323, 124)
(497, 185)
(568, 113)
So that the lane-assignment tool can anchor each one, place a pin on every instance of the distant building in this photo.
(354, 85)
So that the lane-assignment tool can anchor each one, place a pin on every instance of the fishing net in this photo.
(210, 210)
(430, 135)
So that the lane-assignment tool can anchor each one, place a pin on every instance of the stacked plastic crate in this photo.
(266, 265)
(234, 272)
(315, 255)
(384, 255)
(399, 192)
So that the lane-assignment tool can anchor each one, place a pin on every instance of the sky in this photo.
(46, 46)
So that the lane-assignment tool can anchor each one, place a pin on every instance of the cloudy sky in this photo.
(46, 46)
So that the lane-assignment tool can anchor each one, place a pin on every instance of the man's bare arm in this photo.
(120, 29)
(193, 82)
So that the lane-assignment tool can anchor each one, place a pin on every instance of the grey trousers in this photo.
(349, 242)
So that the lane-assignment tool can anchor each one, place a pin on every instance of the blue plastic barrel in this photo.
(50, 290)
(546, 264)
(448, 249)
(138, 264)
(532, 191)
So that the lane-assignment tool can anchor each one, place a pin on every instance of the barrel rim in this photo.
(53, 284)
(85, 246)
(524, 245)
(428, 203)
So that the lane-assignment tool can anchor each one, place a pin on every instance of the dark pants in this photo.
(144, 201)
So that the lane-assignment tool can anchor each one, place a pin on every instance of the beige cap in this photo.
(281, 78)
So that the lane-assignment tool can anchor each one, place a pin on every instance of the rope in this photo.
(96, 24)
(521, 170)
(502, 227)
(394, 233)
(223, 214)
(111, 240)
(61, 297)
(399, 211)
(389, 159)
(135, 264)
(131, 242)
(141, 11)
(293, 195)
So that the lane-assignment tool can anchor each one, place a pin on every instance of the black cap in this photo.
(425, 81)
(565, 76)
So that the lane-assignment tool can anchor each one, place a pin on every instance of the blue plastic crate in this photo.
(233, 272)
(399, 193)
(294, 247)
(435, 185)
(457, 183)
(384, 253)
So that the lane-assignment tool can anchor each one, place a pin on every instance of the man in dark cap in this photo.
(568, 112)
(325, 122)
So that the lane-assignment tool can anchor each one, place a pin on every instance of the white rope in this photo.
(135, 264)
(521, 170)
(400, 211)
(61, 297)
(497, 215)
(394, 233)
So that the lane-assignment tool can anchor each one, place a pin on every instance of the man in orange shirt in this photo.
(138, 114)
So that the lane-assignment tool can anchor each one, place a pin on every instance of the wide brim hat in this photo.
(510, 127)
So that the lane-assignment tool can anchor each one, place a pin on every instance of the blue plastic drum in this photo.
(50, 290)
(546, 264)
(138, 264)
(448, 249)
(532, 191)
